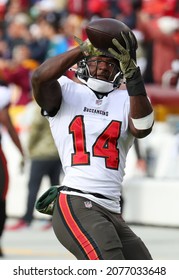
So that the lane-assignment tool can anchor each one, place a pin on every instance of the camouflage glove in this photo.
(127, 64)
(87, 48)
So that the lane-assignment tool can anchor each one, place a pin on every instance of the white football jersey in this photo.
(93, 140)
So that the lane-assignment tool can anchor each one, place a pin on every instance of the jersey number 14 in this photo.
(105, 145)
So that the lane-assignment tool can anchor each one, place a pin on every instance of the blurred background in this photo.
(32, 31)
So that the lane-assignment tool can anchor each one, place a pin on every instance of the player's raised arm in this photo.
(141, 112)
(46, 89)
(45, 85)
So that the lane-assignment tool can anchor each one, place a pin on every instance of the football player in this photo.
(94, 123)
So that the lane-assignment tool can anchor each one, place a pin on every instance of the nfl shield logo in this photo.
(88, 204)
(98, 101)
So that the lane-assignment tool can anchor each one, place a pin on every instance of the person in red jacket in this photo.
(17, 71)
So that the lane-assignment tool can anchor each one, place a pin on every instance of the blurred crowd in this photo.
(32, 31)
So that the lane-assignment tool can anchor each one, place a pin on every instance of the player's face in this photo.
(103, 68)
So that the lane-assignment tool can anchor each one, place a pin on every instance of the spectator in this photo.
(141, 161)
(100, 8)
(77, 9)
(17, 71)
(170, 78)
(44, 162)
(128, 11)
(17, 30)
(52, 29)
(160, 27)
(5, 121)
(74, 24)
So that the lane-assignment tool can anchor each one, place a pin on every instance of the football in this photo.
(100, 32)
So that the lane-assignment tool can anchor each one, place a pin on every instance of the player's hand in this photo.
(87, 48)
(127, 64)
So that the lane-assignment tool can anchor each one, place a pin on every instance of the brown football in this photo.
(100, 32)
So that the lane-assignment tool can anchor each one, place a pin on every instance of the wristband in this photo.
(135, 85)
(145, 122)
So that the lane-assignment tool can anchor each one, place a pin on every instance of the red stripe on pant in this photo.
(75, 229)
